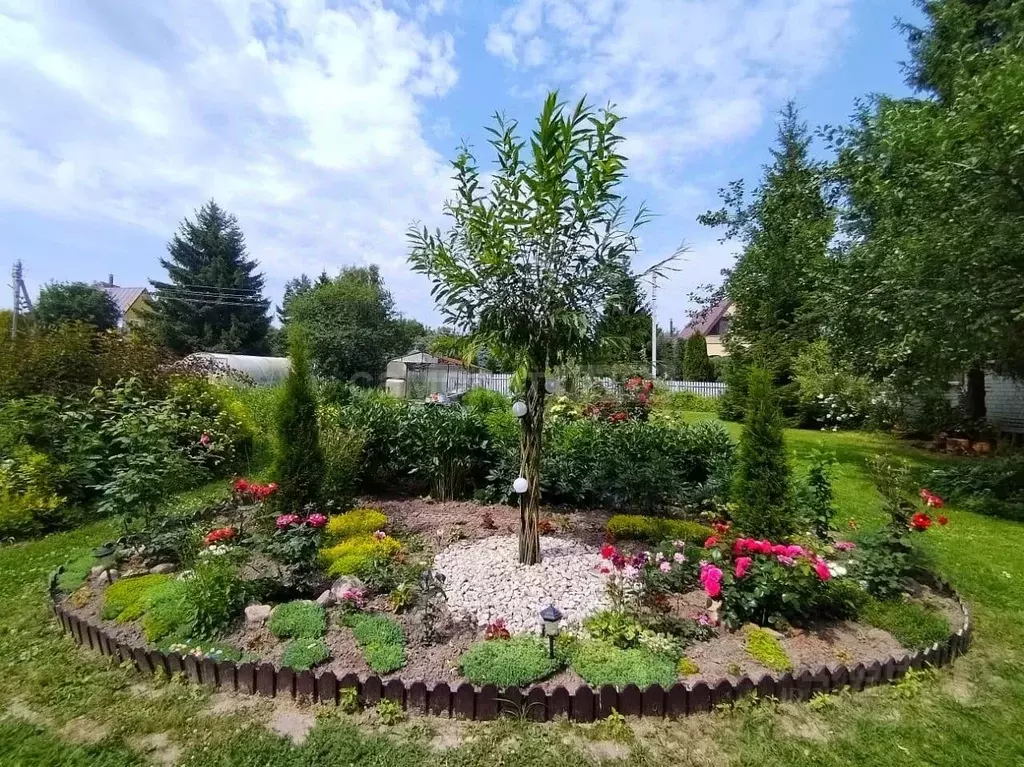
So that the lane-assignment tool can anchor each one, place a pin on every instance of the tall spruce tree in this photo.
(696, 363)
(785, 230)
(761, 487)
(214, 299)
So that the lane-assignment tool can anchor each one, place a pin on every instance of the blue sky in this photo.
(326, 125)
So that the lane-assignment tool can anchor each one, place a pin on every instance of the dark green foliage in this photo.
(299, 619)
(214, 299)
(351, 324)
(883, 563)
(815, 496)
(634, 465)
(343, 453)
(381, 639)
(203, 606)
(993, 486)
(624, 331)
(304, 652)
(299, 467)
(61, 302)
(914, 626)
(600, 663)
(657, 529)
(615, 627)
(507, 662)
(448, 448)
(785, 231)
(696, 363)
(761, 488)
(483, 402)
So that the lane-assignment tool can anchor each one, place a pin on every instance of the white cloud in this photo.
(303, 117)
(691, 75)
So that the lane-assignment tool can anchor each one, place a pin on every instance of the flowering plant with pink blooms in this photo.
(764, 582)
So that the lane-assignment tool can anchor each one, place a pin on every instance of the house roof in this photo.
(123, 297)
(708, 320)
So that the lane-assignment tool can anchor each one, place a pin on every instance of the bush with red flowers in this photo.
(220, 535)
(252, 492)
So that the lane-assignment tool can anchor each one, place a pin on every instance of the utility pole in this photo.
(20, 295)
(654, 326)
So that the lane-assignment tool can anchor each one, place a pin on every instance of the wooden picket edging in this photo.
(465, 701)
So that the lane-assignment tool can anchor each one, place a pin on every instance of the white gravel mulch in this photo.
(484, 580)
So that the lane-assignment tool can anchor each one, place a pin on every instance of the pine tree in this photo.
(299, 467)
(214, 299)
(785, 230)
(696, 363)
(761, 487)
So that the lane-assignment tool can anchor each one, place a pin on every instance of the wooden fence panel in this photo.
(560, 703)
(583, 705)
(441, 700)
(327, 688)
(654, 701)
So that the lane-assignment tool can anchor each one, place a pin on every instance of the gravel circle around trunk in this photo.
(484, 581)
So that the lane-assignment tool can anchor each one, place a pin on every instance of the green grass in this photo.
(966, 715)
(913, 625)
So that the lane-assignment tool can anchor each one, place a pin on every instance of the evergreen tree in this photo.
(294, 288)
(761, 487)
(696, 363)
(624, 331)
(214, 300)
(785, 231)
(61, 302)
(299, 466)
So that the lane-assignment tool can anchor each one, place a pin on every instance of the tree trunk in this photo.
(974, 401)
(531, 432)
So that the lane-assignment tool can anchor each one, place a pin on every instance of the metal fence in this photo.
(424, 380)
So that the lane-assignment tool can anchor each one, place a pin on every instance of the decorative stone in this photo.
(109, 576)
(97, 571)
(163, 568)
(257, 615)
(344, 583)
(326, 599)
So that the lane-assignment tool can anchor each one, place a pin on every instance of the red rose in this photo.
(607, 551)
(712, 541)
(943, 520)
(920, 522)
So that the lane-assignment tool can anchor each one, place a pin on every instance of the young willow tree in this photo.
(529, 265)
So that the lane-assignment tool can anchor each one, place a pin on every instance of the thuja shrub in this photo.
(761, 488)
(507, 662)
(300, 618)
(299, 466)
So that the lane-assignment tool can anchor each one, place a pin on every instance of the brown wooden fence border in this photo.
(536, 703)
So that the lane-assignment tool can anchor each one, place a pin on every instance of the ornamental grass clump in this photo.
(507, 662)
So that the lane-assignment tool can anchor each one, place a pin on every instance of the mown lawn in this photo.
(64, 706)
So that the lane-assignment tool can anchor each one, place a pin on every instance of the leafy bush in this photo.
(761, 488)
(352, 554)
(299, 467)
(482, 401)
(913, 626)
(448, 449)
(600, 663)
(633, 464)
(615, 627)
(299, 619)
(202, 606)
(993, 486)
(343, 453)
(303, 653)
(814, 495)
(657, 529)
(357, 522)
(831, 396)
(28, 501)
(128, 598)
(381, 640)
(767, 650)
(507, 662)
(383, 422)
(676, 404)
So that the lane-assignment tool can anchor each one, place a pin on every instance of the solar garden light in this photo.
(518, 408)
(551, 617)
(520, 485)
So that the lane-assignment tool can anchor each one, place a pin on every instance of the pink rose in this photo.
(205, 439)
(665, 567)
(742, 565)
(784, 560)
(821, 570)
(316, 520)
(287, 520)
(794, 551)
(712, 541)
(713, 589)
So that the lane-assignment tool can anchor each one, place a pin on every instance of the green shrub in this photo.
(676, 404)
(299, 619)
(616, 628)
(696, 363)
(507, 662)
(299, 467)
(170, 614)
(657, 529)
(381, 640)
(303, 653)
(260, 404)
(914, 626)
(448, 450)
(992, 486)
(383, 421)
(203, 606)
(29, 503)
(128, 598)
(761, 488)
(353, 554)
(343, 453)
(600, 663)
(830, 395)
(485, 401)
(767, 650)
